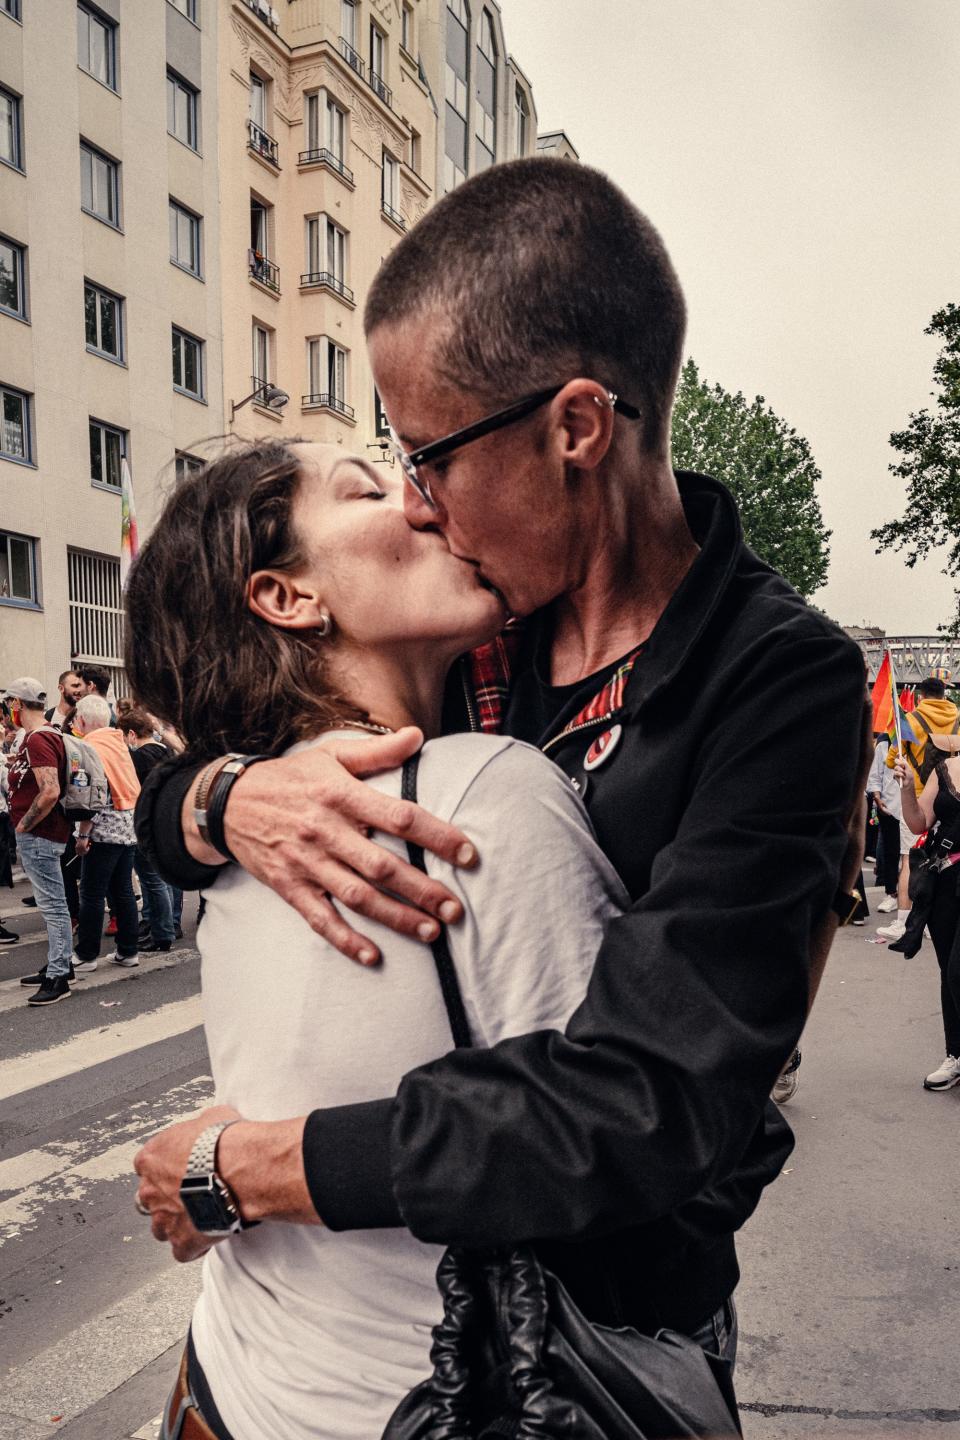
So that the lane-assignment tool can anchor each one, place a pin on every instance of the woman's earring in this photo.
(325, 626)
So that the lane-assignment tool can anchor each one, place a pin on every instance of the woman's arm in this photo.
(917, 809)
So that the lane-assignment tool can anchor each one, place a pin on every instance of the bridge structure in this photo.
(915, 657)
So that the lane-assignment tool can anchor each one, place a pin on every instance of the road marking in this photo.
(63, 1172)
(41, 1067)
(13, 996)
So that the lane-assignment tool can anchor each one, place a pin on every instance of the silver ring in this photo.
(139, 1205)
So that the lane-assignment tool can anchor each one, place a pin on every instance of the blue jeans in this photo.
(107, 871)
(41, 863)
(720, 1333)
(156, 900)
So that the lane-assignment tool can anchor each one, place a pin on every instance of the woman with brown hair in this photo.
(282, 598)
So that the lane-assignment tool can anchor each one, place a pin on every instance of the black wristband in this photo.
(223, 783)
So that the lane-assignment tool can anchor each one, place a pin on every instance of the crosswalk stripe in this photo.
(67, 1169)
(40, 1067)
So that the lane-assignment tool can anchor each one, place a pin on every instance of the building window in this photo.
(389, 189)
(416, 151)
(103, 321)
(258, 101)
(108, 446)
(326, 251)
(181, 110)
(186, 7)
(455, 118)
(15, 437)
(185, 238)
(261, 355)
(100, 185)
(11, 149)
(406, 28)
(378, 59)
(348, 22)
(11, 8)
(486, 93)
(522, 114)
(18, 569)
(97, 46)
(96, 613)
(186, 465)
(13, 290)
(187, 364)
(326, 125)
(327, 376)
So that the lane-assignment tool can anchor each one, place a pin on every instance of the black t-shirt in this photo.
(145, 757)
(536, 708)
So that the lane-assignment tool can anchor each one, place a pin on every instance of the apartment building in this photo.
(110, 332)
(195, 196)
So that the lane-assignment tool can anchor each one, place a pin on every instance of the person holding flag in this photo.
(129, 535)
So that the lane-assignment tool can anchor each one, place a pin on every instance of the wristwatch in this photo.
(206, 1197)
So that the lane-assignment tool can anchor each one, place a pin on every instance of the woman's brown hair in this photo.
(196, 654)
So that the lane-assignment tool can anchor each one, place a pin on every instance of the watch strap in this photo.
(224, 781)
(203, 795)
(202, 1157)
(845, 905)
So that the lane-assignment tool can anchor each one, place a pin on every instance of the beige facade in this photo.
(201, 221)
(84, 218)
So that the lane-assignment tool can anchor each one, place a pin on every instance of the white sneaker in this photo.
(892, 932)
(127, 961)
(945, 1076)
(84, 967)
(887, 906)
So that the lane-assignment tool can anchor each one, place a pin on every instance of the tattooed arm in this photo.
(48, 793)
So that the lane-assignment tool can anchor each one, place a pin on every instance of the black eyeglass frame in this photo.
(410, 460)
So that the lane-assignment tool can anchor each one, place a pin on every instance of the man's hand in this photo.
(300, 824)
(161, 1165)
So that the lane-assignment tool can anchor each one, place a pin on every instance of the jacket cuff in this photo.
(159, 832)
(346, 1157)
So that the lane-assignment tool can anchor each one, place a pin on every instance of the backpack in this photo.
(931, 755)
(85, 790)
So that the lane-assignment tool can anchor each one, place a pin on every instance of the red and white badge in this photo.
(602, 748)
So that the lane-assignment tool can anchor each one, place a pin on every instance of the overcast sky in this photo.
(800, 158)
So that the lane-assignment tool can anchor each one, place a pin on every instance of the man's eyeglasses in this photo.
(411, 461)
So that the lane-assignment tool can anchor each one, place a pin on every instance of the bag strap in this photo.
(446, 972)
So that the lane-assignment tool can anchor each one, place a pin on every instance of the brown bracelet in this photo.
(203, 793)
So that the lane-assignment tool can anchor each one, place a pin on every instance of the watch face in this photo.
(207, 1208)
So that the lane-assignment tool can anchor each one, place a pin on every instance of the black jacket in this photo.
(635, 1145)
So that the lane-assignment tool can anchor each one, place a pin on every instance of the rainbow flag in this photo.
(882, 697)
(129, 537)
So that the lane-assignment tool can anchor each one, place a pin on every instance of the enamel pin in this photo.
(602, 748)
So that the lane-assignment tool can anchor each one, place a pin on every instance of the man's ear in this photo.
(586, 417)
(284, 600)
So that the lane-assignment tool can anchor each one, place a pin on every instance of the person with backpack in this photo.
(37, 774)
(106, 843)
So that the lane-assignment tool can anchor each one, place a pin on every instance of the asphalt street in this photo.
(850, 1266)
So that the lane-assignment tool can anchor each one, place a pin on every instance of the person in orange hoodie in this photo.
(107, 844)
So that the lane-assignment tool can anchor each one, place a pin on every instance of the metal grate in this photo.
(96, 613)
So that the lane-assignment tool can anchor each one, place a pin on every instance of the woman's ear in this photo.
(285, 600)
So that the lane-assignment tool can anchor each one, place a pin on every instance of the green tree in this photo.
(929, 464)
(767, 466)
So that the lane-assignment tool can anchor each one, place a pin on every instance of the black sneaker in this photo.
(7, 937)
(31, 901)
(40, 977)
(151, 947)
(51, 991)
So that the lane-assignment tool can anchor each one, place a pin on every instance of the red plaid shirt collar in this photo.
(491, 671)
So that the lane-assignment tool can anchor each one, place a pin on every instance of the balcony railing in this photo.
(323, 280)
(381, 88)
(262, 144)
(330, 402)
(265, 12)
(393, 215)
(351, 56)
(264, 270)
(326, 157)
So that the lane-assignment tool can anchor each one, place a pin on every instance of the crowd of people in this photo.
(70, 777)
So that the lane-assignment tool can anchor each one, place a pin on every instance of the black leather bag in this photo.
(514, 1356)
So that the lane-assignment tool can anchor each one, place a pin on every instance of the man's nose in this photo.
(419, 515)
